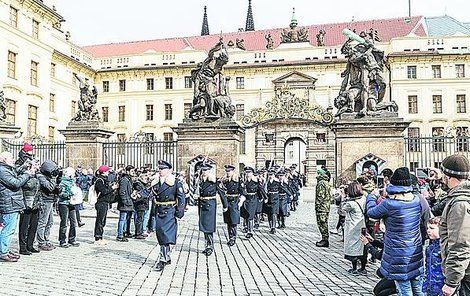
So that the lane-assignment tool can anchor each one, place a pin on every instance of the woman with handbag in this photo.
(67, 194)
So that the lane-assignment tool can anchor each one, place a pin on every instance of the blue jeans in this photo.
(411, 287)
(146, 220)
(122, 222)
(6, 234)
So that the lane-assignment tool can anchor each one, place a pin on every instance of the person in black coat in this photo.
(105, 192)
(231, 189)
(125, 203)
(284, 193)
(140, 197)
(208, 207)
(272, 200)
(169, 203)
(252, 192)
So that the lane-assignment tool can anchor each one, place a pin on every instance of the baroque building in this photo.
(145, 86)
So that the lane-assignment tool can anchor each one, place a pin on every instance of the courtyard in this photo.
(286, 263)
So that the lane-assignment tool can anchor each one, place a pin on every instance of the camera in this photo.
(364, 231)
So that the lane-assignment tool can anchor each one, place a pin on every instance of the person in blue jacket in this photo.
(402, 259)
(434, 278)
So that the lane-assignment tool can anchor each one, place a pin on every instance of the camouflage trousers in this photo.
(322, 222)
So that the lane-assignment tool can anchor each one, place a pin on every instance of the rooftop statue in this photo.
(211, 91)
(87, 104)
(363, 87)
(295, 34)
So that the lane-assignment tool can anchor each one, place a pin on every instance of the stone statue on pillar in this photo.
(363, 88)
(3, 108)
(211, 94)
(87, 104)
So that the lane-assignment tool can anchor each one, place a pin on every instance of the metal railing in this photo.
(421, 152)
(43, 151)
(139, 154)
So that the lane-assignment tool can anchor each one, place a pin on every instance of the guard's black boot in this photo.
(272, 231)
(231, 242)
(322, 244)
(160, 266)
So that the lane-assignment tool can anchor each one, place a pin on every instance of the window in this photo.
(168, 137)
(122, 85)
(169, 82)
(53, 68)
(321, 137)
(187, 109)
(461, 104)
(239, 111)
(149, 147)
(52, 103)
(243, 144)
(73, 108)
(188, 83)
(105, 86)
(74, 78)
(150, 137)
(462, 139)
(438, 139)
(436, 71)
(121, 138)
(13, 17)
(168, 112)
(34, 73)
(122, 113)
(51, 133)
(149, 112)
(11, 111)
(411, 72)
(35, 32)
(413, 139)
(150, 84)
(240, 82)
(105, 111)
(437, 104)
(32, 120)
(460, 71)
(413, 166)
(413, 104)
(11, 64)
(121, 148)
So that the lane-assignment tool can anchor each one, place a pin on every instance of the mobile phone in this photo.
(380, 182)
(364, 231)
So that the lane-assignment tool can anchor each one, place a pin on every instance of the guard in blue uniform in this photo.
(294, 184)
(252, 193)
(168, 202)
(284, 193)
(271, 207)
(208, 207)
(230, 189)
(259, 208)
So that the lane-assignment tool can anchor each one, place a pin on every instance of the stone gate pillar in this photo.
(84, 143)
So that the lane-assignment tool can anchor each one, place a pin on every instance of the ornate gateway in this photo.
(286, 105)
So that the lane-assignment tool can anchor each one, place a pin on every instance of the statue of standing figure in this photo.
(363, 87)
(3, 108)
(87, 104)
(211, 94)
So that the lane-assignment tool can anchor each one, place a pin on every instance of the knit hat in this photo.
(456, 166)
(401, 177)
(27, 147)
(103, 169)
(69, 172)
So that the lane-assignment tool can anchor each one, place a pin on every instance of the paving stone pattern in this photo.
(287, 263)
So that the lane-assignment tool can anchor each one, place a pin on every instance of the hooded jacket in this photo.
(11, 194)
(66, 184)
(454, 231)
(49, 188)
(323, 194)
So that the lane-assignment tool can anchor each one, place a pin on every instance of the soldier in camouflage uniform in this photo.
(322, 206)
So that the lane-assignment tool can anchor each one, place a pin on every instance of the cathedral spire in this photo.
(205, 24)
(250, 23)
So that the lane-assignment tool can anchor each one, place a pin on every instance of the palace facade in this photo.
(145, 86)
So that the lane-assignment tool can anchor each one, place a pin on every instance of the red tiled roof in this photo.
(255, 40)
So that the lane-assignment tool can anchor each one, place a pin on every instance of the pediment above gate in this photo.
(295, 79)
(286, 105)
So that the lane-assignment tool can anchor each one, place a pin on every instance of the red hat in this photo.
(27, 147)
(103, 169)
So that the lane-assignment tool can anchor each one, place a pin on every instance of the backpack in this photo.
(77, 197)
(92, 195)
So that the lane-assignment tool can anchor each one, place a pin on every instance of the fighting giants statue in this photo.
(3, 108)
(363, 87)
(87, 104)
(211, 94)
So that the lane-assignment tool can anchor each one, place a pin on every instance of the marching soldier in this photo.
(294, 184)
(272, 201)
(259, 207)
(208, 207)
(252, 192)
(284, 193)
(169, 203)
(230, 189)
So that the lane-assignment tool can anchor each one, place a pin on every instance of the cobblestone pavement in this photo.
(287, 263)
